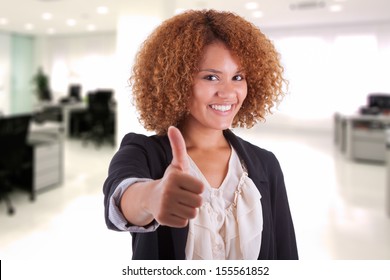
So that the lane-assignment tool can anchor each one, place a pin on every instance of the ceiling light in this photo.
(307, 5)
(257, 14)
(335, 8)
(3, 21)
(91, 27)
(47, 16)
(29, 26)
(251, 5)
(51, 31)
(71, 22)
(102, 10)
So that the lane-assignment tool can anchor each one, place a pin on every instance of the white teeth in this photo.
(222, 108)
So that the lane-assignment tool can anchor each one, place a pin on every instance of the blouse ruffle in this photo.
(229, 224)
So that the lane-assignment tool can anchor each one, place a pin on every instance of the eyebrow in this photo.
(216, 71)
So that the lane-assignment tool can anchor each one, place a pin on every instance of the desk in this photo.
(46, 141)
(67, 110)
(61, 113)
(72, 115)
(387, 191)
(388, 185)
(362, 137)
(366, 137)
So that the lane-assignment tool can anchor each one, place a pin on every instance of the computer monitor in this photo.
(75, 92)
(379, 100)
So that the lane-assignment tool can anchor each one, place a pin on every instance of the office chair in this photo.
(16, 155)
(99, 118)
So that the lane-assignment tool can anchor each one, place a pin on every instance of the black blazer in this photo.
(141, 156)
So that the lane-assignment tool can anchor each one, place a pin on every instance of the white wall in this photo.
(85, 59)
(128, 41)
(330, 69)
(5, 58)
(133, 26)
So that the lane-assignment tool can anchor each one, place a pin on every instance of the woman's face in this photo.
(219, 89)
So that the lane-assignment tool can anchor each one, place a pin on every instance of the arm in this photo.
(136, 202)
(115, 214)
(171, 200)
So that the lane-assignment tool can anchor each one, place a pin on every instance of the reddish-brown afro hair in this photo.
(164, 68)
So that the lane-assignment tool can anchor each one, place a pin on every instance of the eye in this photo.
(210, 77)
(238, 77)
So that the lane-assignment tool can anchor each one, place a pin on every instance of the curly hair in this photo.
(164, 68)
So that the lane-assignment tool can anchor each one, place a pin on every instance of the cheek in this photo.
(243, 94)
(193, 104)
(242, 98)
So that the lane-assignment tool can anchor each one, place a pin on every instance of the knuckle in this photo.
(184, 223)
(198, 201)
(192, 213)
(160, 217)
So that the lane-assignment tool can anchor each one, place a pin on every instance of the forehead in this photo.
(218, 53)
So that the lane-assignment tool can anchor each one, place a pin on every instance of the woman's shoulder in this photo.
(248, 146)
(141, 150)
(253, 153)
(143, 140)
(155, 147)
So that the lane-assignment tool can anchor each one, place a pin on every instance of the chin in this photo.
(223, 126)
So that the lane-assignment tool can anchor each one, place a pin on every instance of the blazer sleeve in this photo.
(130, 161)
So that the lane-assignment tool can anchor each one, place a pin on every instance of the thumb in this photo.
(179, 151)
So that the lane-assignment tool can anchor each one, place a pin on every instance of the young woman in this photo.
(195, 190)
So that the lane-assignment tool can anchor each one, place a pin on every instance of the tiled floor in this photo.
(338, 206)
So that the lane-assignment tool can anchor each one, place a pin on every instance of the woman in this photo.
(195, 190)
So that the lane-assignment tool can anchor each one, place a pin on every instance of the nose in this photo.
(226, 90)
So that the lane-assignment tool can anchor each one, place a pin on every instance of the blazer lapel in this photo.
(254, 167)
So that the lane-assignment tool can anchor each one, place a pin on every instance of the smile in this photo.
(221, 108)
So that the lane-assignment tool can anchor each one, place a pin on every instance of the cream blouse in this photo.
(230, 221)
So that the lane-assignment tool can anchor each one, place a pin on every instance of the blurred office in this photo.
(330, 133)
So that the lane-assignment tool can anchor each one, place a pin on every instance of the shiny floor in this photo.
(338, 206)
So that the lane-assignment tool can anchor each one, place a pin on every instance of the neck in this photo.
(204, 139)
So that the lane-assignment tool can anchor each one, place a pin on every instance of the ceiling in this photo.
(25, 16)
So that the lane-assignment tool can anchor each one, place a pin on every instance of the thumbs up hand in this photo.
(178, 194)
(179, 150)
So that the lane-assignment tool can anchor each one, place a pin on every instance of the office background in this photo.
(338, 204)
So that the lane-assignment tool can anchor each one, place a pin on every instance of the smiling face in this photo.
(219, 89)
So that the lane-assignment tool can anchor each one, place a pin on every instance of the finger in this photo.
(179, 150)
(185, 212)
(174, 221)
(190, 199)
(184, 181)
